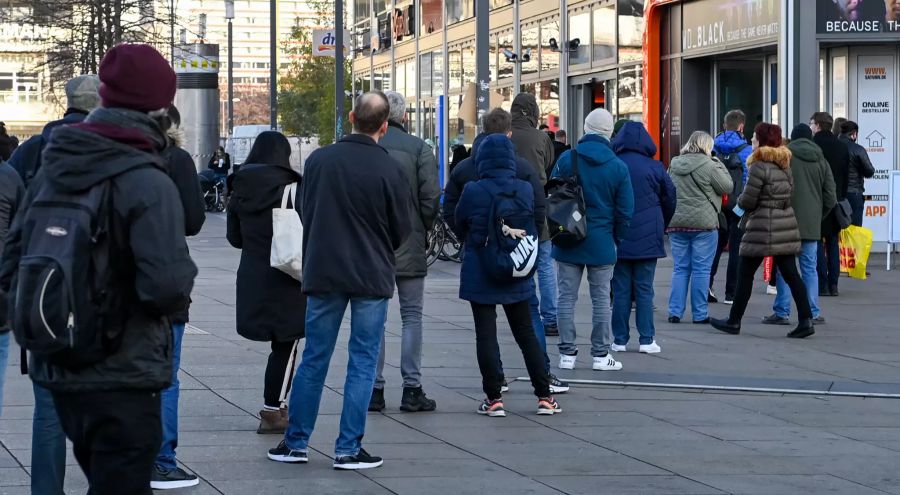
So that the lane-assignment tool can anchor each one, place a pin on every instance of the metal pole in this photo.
(517, 48)
(230, 78)
(273, 69)
(338, 69)
(482, 60)
(172, 30)
(564, 68)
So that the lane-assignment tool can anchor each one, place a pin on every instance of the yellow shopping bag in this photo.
(856, 242)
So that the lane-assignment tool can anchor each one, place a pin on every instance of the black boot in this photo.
(803, 330)
(376, 404)
(414, 400)
(725, 326)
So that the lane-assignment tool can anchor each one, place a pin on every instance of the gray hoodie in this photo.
(700, 181)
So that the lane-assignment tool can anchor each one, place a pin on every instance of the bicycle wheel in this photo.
(435, 240)
(451, 248)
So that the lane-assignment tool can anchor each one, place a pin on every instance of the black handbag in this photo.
(843, 213)
(566, 212)
(723, 222)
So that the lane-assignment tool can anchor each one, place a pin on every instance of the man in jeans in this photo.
(110, 410)
(355, 209)
(812, 199)
(861, 168)
(609, 202)
(11, 192)
(838, 156)
(420, 167)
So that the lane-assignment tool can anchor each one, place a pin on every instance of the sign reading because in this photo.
(858, 16)
(876, 115)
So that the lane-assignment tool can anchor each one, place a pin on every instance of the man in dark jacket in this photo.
(560, 146)
(181, 169)
(110, 410)
(838, 156)
(8, 144)
(499, 121)
(420, 169)
(81, 98)
(11, 192)
(861, 168)
(536, 148)
(813, 197)
(654, 206)
(355, 208)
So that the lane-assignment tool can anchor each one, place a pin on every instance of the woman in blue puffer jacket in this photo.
(496, 163)
(654, 205)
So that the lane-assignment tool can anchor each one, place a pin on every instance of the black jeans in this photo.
(279, 373)
(858, 203)
(733, 239)
(519, 317)
(787, 266)
(116, 436)
(829, 263)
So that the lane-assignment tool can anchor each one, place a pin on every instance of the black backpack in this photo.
(64, 290)
(566, 211)
(735, 166)
(506, 258)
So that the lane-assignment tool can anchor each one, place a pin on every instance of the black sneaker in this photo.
(504, 386)
(376, 403)
(674, 319)
(551, 331)
(361, 460)
(169, 479)
(775, 320)
(414, 400)
(283, 454)
(711, 297)
(558, 386)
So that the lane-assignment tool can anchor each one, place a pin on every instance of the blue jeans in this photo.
(538, 325)
(48, 446)
(692, 254)
(169, 402)
(633, 280)
(323, 322)
(546, 271)
(569, 283)
(858, 203)
(4, 360)
(809, 274)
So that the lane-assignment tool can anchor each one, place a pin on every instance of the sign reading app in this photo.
(876, 115)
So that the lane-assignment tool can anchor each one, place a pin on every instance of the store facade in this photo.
(779, 61)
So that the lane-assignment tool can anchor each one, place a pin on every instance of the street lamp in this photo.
(229, 15)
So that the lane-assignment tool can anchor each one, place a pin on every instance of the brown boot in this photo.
(272, 422)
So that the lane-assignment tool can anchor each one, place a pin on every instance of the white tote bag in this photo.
(287, 236)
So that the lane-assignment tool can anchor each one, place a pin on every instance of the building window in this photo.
(631, 101)
(411, 80)
(496, 4)
(425, 76)
(506, 69)
(459, 10)
(530, 38)
(580, 29)
(361, 10)
(400, 78)
(432, 18)
(631, 30)
(492, 62)
(469, 65)
(549, 59)
(455, 55)
(437, 67)
(605, 34)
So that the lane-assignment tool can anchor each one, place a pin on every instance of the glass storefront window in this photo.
(425, 76)
(411, 121)
(506, 69)
(469, 65)
(530, 39)
(432, 18)
(492, 63)
(547, 95)
(456, 69)
(631, 101)
(579, 29)
(605, 34)
(459, 10)
(411, 80)
(631, 30)
(549, 59)
(400, 78)
(437, 68)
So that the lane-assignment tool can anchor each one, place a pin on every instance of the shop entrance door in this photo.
(740, 84)
(586, 97)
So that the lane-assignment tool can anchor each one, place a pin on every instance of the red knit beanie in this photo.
(136, 77)
(768, 135)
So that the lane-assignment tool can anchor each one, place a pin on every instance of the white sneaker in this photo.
(618, 348)
(606, 363)
(651, 348)
(772, 291)
(566, 362)
(729, 301)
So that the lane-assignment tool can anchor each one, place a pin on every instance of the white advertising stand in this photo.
(893, 215)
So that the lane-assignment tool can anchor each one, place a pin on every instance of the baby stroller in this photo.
(213, 191)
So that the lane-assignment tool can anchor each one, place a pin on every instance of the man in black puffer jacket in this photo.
(838, 156)
(861, 168)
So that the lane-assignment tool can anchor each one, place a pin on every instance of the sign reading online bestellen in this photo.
(876, 116)
(324, 41)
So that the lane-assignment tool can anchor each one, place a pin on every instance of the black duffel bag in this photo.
(566, 212)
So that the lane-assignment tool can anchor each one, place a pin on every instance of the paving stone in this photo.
(600, 485)
(776, 484)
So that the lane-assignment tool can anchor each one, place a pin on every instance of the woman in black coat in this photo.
(270, 304)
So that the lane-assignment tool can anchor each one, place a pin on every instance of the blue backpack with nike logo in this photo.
(508, 258)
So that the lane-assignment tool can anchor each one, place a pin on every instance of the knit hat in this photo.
(768, 135)
(599, 122)
(618, 127)
(136, 77)
(82, 92)
(801, 131)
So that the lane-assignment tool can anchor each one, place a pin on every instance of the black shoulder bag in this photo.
(566, 211)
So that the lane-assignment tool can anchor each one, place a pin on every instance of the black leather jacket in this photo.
(861, 167)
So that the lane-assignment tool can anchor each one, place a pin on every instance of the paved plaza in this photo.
(610, 439)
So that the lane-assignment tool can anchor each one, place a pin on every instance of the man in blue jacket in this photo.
(654, 206)
(732, 149)
(609, 201)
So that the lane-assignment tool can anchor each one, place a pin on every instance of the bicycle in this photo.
(442, 244)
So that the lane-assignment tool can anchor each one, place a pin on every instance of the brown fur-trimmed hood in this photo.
(780, 156)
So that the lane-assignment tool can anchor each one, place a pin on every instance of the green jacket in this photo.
(700, 182)
(814, 190)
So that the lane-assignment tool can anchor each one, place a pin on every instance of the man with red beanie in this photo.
(98, 250)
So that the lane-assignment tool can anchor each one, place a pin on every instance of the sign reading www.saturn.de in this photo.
(324, 41)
